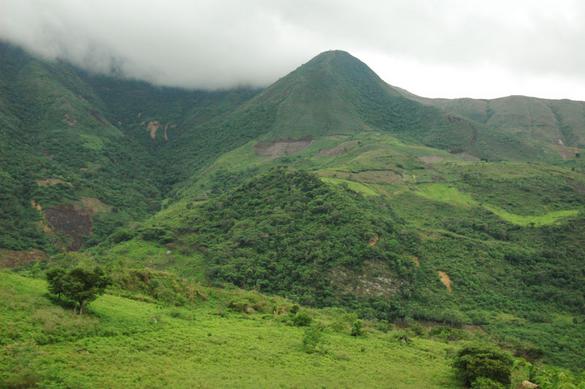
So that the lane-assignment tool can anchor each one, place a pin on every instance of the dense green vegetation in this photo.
(481, 367)
(432, 222)
(286, 232)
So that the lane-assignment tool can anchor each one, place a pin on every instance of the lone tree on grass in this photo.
(78, 286)
(484, 367)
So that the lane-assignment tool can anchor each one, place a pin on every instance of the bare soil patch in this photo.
(152, 127)
(281, 147)
(374, 280)
(51, 182)
(373, 241)
(430, 159)
(13, 258)
(566, 152)
(69, 120)
(444, 277)
(70, 221)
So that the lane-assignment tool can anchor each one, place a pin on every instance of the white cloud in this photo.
(436, 48)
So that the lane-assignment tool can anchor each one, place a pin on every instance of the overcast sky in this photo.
(435, 48)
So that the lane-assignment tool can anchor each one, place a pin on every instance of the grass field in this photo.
(125, 343)
(355, 186)
(533, 220)
(451, 195)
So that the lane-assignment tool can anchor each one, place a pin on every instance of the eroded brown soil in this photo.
(281, 147)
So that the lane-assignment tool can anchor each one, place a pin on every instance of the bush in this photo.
(121, 235)
(357, 328)
(313, 340)
(475, 362)
(486, 383)
(157, 234)
(302, 319)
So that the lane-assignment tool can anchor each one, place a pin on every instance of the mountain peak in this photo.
(339, 61)
(334, 53)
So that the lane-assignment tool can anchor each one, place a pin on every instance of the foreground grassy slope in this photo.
(128, 343)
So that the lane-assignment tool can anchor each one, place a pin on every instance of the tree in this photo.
(482, 364)
(78, 285)
(55, 277)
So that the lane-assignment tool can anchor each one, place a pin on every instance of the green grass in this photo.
(451, 195)
(140, 254)
(353, 185)
(125, 343)
(445, 194)
(533, 220)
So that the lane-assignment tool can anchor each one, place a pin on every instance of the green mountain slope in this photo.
(291, 234)
(66, 160)
(335, 93)
(329, 187)
(555, 129)
(83, 155)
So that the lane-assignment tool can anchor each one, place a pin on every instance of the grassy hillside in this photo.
(128, 343)
(219, 338)
(553, 129)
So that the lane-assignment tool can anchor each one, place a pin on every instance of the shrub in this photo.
(313, 340)
(121, 235)
(475, 362)
(302, 319)
(156, 234)
(357, 328)
(486, 383)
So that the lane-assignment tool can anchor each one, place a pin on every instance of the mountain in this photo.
(555, 128)
(81, 154)
(335, 93)
(329, 187)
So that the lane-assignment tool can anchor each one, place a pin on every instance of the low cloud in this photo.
(226, 43)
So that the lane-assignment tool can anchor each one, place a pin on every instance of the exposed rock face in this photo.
(152, 127)
(528, 385)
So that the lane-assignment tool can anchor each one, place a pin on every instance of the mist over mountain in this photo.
(450, 50)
